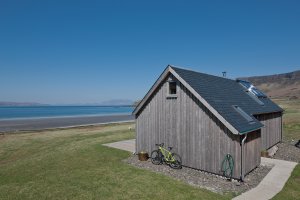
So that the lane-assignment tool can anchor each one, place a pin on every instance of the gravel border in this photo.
(205, 180)
(288, 151)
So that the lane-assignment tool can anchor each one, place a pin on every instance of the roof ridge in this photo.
(191, 70)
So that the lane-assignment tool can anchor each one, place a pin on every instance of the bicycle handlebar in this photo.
(162, 144)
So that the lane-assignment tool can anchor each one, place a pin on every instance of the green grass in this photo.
(291, 131)
(291, 119)
(291, 189)
(72, 164)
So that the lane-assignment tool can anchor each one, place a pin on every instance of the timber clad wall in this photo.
(252, 150)
(271, 133)
(201, 140)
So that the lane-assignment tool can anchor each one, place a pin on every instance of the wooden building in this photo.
(205, 117)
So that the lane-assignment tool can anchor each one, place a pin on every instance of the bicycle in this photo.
(162, 155)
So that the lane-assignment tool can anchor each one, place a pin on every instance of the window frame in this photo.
(245, 115)
(172, 88)
(175, 87)
(251, 88)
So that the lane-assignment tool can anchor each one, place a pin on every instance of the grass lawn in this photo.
(72, 164)
(291, 131)
(291, 118)
(291, 189)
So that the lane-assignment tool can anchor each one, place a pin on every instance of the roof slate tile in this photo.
(222, 93)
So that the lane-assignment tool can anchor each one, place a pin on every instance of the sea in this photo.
(35, 112)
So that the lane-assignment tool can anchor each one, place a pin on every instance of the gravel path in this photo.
(288, 151)
(205, 180)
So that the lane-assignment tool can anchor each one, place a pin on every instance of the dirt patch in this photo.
(288, 151)
(205, 180)
(3, 137)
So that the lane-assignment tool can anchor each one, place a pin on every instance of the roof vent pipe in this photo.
(224, 74)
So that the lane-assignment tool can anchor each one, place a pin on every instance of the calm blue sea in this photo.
(61, 111)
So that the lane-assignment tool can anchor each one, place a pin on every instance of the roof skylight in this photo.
(252, 89)
(243, 113)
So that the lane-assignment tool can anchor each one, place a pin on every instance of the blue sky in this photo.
(91, 51)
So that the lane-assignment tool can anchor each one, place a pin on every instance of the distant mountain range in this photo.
(7, 103)
(285, 85)
(115, 102)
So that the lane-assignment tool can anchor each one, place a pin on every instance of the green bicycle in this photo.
(162, 155)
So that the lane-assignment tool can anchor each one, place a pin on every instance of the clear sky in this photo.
(92, 51)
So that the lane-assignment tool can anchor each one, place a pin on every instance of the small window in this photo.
(257, 92)
(252, 89)
(172, 87)
(243, 113)
(255, 99)
(246, 84)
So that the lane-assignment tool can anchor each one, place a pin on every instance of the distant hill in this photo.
(114, 102)
(117, 102)
(285, 85)
(6, 103)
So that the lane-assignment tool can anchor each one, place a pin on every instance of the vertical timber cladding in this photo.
(184, 123)
(251, 155)
(271, 133)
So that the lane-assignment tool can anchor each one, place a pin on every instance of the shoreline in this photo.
(63, 116)
(7, 126)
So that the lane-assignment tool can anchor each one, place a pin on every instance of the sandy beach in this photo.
(62, 122)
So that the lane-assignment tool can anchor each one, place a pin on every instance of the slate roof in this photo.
(223, 93)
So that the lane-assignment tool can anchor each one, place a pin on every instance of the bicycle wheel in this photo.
(156, 158)
(177, 164)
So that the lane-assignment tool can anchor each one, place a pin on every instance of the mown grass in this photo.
(291, 118)
(291, 131)
(72, 164)
(291, 189)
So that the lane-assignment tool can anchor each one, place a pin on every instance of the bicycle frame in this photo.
(167, 154)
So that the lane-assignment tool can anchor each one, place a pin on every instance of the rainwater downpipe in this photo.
(242, 153)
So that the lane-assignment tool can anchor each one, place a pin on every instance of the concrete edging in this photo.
(273, 182)
(126, 145)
